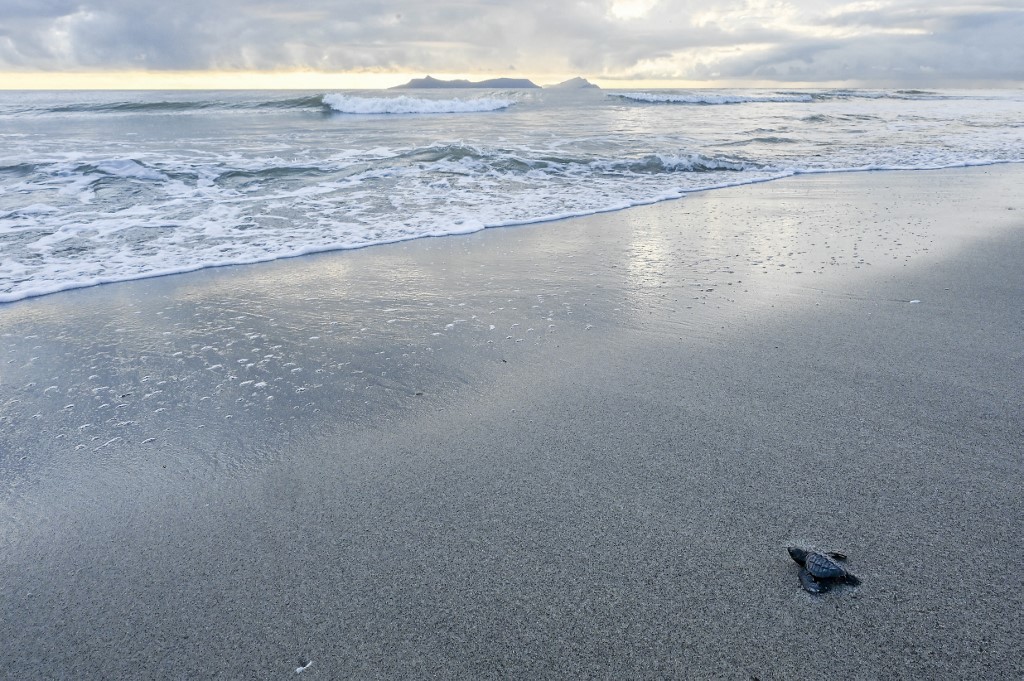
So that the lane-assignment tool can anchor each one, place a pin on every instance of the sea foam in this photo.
(403, 104)
(135, 189)
(123, 167)
(707, 98)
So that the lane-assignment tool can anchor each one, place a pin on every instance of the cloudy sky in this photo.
(868, 42)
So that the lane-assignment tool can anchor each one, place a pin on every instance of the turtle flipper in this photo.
(810, 584)
(836, 555)
(852, 580)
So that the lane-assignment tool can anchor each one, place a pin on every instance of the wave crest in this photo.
(403, 104)
(710, 99)
(657, 164)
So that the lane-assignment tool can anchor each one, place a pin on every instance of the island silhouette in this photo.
(436, 83)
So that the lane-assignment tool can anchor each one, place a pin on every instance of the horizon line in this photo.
(314, 80)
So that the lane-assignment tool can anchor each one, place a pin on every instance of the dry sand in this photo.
(570, 450)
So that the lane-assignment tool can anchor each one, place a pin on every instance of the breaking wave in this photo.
(143, 184)
(403, 104)
(310, 103)
(709, 99)
(883, 94)
(713, 98)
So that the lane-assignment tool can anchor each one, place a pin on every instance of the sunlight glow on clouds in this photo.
(912, 42)
(631, 9)
(685, 64)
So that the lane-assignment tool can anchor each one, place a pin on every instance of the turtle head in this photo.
(798, 554)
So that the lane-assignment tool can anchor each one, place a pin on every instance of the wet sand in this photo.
(569, 450)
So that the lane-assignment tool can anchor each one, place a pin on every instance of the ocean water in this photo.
(112, 186)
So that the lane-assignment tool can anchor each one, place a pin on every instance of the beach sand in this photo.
(576, 449)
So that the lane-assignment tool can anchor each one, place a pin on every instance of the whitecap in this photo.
(706, 98)
(129, 168)
(351, 104)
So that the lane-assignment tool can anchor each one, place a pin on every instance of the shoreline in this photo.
(11, 297)
(571, 450)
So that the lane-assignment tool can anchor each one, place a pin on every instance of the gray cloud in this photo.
(897, 41)
(959, 49)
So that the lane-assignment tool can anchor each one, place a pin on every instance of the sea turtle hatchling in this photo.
(819, 571)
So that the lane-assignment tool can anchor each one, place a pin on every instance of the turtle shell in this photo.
(823, 567)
